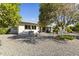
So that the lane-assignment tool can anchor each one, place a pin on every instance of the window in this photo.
(33, 27)
(27, 27)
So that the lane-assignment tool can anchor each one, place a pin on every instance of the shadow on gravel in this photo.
(24, 38)
(77, 37)
(35, 39)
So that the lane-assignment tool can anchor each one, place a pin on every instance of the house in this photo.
(25, 27)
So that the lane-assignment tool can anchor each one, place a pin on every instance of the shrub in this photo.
(60, 37)
(3, 30)
(72, 27)
(65, 37)
(69, 29)
(76, 28)
(56, 29)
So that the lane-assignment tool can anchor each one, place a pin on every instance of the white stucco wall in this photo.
(21, 29)
(51, 25)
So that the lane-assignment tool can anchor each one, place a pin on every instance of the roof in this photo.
(27, 23)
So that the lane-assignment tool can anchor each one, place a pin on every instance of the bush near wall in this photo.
(3, 30)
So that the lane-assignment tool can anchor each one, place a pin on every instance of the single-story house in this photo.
(24, 27)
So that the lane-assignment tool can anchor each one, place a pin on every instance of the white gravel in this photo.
(12, 47)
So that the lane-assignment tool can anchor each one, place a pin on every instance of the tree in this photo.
(64, 16)
(61, 14)
(44, 14)
(9, 14)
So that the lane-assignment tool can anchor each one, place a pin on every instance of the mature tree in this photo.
(9, 14)
(64, 15)
(44, 17)
(61, 14)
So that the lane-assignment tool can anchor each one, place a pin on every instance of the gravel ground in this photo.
(47, 47)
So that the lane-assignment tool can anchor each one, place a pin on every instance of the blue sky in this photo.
(30, 12)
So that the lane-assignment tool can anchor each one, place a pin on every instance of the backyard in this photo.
(44, 46)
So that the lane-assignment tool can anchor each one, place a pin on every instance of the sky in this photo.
(29, 12)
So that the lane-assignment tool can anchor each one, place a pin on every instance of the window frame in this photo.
(27, 27)
(34, 27)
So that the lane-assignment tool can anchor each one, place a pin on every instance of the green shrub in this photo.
(60, 37)
(3, 30)
(69, 37)
(72, 27)
(76, 28)
(56, 29)
(65, 37)
(69, 29)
